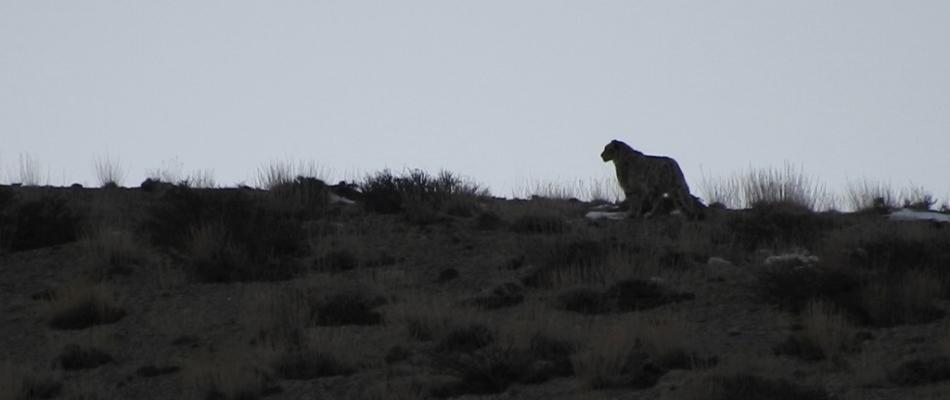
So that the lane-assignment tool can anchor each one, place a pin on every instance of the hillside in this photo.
(427, 287)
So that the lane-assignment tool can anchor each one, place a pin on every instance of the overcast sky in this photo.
(501, 91)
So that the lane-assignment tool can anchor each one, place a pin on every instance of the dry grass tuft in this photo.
(109, 172)
(19, 383)
(82, 305)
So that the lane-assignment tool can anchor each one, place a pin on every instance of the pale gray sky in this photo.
(501, 91)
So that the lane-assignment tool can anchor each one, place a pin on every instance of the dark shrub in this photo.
(584, 301)
(304, 197)
(419, 192)
(46, 221)
(550, 358)
(581, 256)
(85, 314)
(753, 387)
(800, 347)
(447, 274)
(897, 248)
(623, 296)
(793, 287)
(74, 357)
(504, 295)
(39, 387)
(305, 365)
(348, 309)
(539, 223)
(151, 371)
(636, 372)
(488, 221)
(487, 371)
(635, 294)
(921, 371)
(466, 339)
(250, 239)
(337, 261)
(396, 354)
(772, 225)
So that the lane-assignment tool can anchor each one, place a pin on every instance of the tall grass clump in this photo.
(769, 186)
(787, 185)
(420, 195)
(283, 172)
(109, 171)
(724, 192)
(29, 172)
(867, 195)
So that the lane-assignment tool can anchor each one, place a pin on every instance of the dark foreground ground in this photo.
(169, 292)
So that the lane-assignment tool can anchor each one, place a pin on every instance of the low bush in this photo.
(46, 221)
(921, 371)
(348, 308)
(754, 387)
(778, 225)
(151, 371)
(75, 357)
(624, 296)
(25, 384)
(338, 260)
(898, 299)
(897, 247)
(229, 235)
(81, 307)
(539, 224)
(420, 194)
(465, 339)
(493, 368)
(304, 197)
(580, 258)
(309, 364)
(792, 288)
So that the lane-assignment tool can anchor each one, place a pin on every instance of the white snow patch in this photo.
(905, 214)
(616, 216)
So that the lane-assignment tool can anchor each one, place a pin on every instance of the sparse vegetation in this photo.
(109, 172)
(74, 357)
(419, 195)
(19, 383)
(48, 220)
(753, 387)
(428, 288)
(83, 305)
(768, 186)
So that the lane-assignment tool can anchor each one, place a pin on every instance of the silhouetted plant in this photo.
(417, 191)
